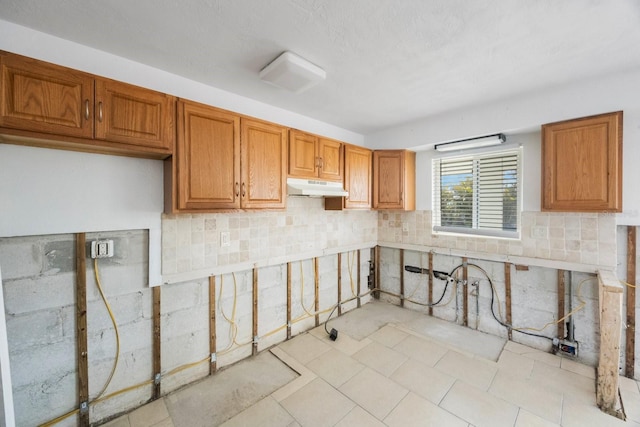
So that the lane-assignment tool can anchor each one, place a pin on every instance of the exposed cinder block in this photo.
(178, 322)
(39, 364)
(133, 336)
(52, 397)
(184, 295)
(133, 368)
(38, 293)
(20, 258)
(59, 257)
(117, 279)
(36, 329)
(126, 309)
(186, 348)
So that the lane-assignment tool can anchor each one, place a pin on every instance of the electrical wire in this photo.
(115, 327)
(350, 261)
(302, 291)
(627, 284)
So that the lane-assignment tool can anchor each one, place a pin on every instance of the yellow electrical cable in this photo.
(350, 261)
(115, 327)
(583, 303)
(302, 290)
(627, 284)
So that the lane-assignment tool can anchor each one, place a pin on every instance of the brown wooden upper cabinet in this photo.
(582, 164)
(58, 107)
(357, 180)
(394, 179)
(223, 161)
(311, 157)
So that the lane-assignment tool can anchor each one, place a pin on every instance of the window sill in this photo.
(466, 232)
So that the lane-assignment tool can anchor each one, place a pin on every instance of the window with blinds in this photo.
(477, 194)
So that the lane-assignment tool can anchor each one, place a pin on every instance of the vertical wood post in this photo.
(401, 277)
(465, 292)
(317, 290)
(630, 341)
(561, 304)
(288, 300)
(610, 303)
(81, 329)
(507, 296)
(339, 283)
(430, 290)
(157, 362)
(376, 252)
(358, 288)
(212, 325)
(254, 346)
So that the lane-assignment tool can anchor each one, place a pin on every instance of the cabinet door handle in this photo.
(86, 109)
(237, 189)
(321, 162)
(243, 190)
(100, 111)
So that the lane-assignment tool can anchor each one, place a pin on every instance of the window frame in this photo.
(474, 231)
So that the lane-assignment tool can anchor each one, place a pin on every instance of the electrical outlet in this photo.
(102, 249)
(568, 348)
(225, 239)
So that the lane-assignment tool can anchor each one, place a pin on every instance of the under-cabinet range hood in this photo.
(314, 188)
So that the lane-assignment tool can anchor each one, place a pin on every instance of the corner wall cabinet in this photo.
(582, 164)
(394, 179)
(312, 156)
(225, 161)
(357, 180)
(43, 104)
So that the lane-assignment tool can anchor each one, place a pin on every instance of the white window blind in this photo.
(478, 194)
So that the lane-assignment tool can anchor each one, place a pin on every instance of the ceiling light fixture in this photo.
(465, 144)
(292, 72)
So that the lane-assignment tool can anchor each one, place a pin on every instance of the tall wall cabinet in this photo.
(225, 161)
(357, 180)
(394, 179)
(582, 164)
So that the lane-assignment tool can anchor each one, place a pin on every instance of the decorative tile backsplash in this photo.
(584, 238)
(192, 242)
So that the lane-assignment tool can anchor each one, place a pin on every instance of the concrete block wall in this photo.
(39, 282)
(533, 298)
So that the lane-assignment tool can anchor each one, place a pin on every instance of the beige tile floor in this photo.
(394, 375)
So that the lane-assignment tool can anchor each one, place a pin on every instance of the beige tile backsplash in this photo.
(192, 242)
(583, 238)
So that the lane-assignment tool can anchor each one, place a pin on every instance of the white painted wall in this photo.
(525, 113)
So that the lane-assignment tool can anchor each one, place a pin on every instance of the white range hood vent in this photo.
(314, 188)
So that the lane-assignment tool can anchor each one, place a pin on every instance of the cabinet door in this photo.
(357, 177)
(41, 97)
(303, 155)
(208, 158)
(132, 115)
(331, 159)
(394, 179)
(264, 157)
(582, 164)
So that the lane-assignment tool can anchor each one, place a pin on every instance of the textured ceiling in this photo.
(387, 61)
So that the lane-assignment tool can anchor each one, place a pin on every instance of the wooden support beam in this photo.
(288, 300)
(401, 277)
(339, 283)
(507, 295)
(157, 362)
(358, 285)
(465, 292)
(212, 325)
(610, 305)
(430, 290)
(81, 329)
(561, 304)
(630, 337)
(376, 276)
(254, 346)
(317, 290)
